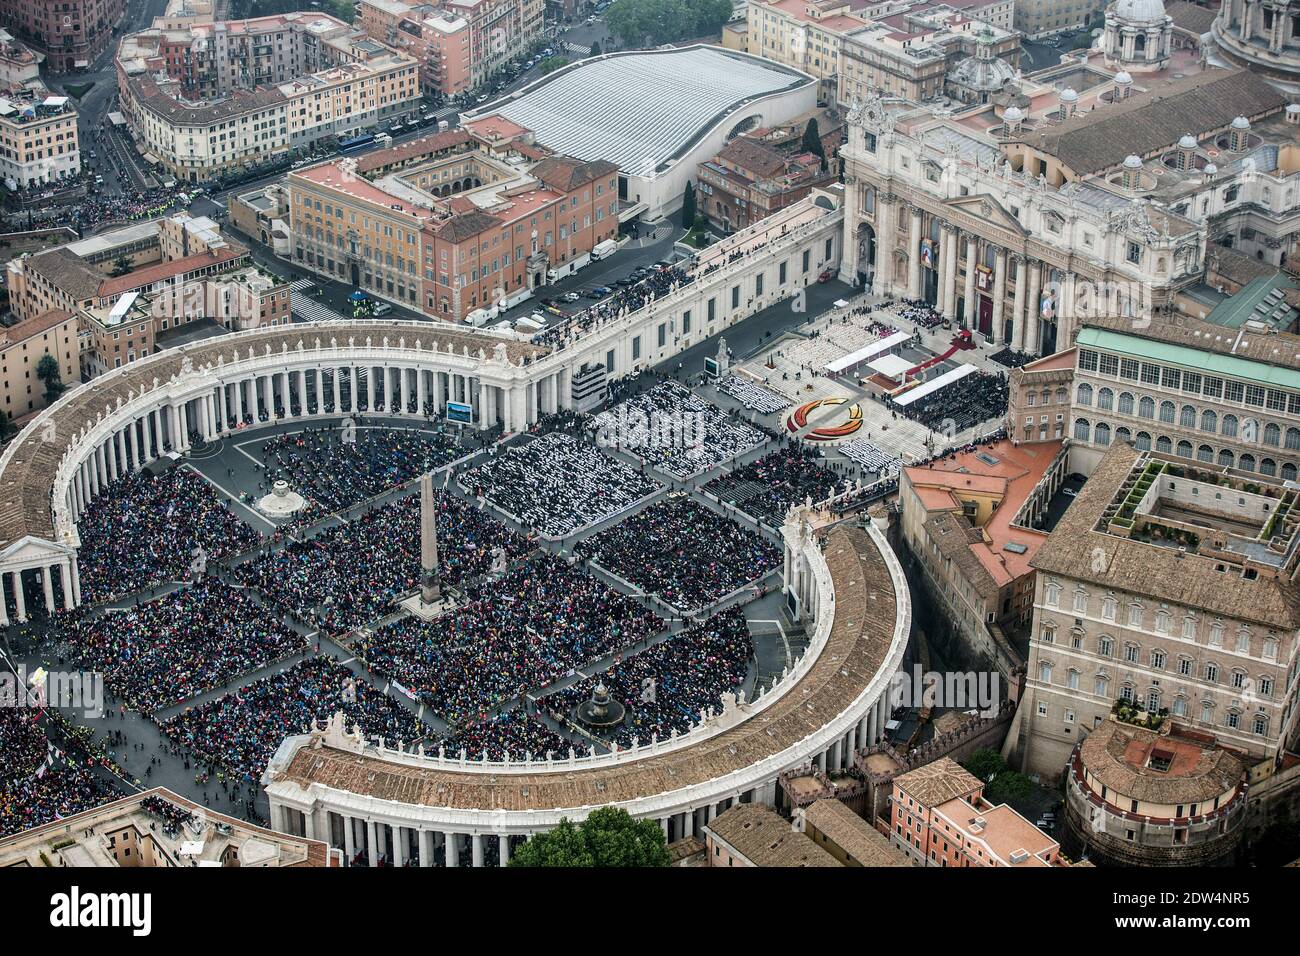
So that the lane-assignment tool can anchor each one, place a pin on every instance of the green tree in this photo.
(985, 764)
(7, 427)
(595, 49)
(608, 837)
(641, 23)
(47, 370)
(121, 265)
(554, 63)
(1008, 787)
(688, 207)
(812, 141)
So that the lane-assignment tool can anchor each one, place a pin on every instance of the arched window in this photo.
(1293, 439)
(1272, 435)
(1267, 466)
(1081, 429)
(1126, 403)
(1230, 426)
(1184, 449)
(1122, 434)
(1205, 453)
(1164, 445)
(1147, 407)
(1225, 458)
(1101, 435)
(1143, 442)
(1209, 421)
(1167, 411)
(1247, 463)
(1187, 417)
(1289, 472)
(1084, 394)
(1105, 399)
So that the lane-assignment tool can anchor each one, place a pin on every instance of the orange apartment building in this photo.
(415, 237)
(939, 817)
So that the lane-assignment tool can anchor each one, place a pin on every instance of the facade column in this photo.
(1033, 321)
(20, 600)
(405, 379)
(268, 396)
(476, 850)
(452, 841)
(338, 391)
(950, 274)
(836, 755)
(399, 846)
(1018, 309)
(914, 256)
(426, 844)
(349, 841)
(503, 849)
(372, 842)
(47, 587)
(999, 295)
(972, 310)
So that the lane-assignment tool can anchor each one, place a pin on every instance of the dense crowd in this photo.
(768, 487)
(340, 467)
(350, 574)
(557, 484)
(920, 312)
(659, 282)
(1011, 358)
(145, 528)
(682, 553)
(536, 624)
(964, 404)
(676, 431)
(180, 645)
(171, 816)
(242, 730)
(38, 786)
(666, 687)
(515, 733)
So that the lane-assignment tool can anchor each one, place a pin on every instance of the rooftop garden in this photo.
(1133, 712)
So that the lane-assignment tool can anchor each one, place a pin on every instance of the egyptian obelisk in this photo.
(429, 588)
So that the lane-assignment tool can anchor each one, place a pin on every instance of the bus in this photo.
(356, 143)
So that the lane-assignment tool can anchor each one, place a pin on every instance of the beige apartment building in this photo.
(38, 136)
(1036, 18)
(210, 99)
(22, 346)
(1169, 586)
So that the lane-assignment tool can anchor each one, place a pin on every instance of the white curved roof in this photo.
(641, 109)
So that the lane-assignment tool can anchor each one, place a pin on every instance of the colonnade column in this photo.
(1033, 322)
(1018, 310)
(972, 250)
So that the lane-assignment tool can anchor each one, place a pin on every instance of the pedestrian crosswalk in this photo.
(583, 51)
(310, 311)
(301, 285)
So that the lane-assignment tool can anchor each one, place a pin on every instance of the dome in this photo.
(1187, 142)
(1123, 78)
(1210, 169)
(1292, 109)
(1069, 96)
(1133, 162)
(1241, 123)
(1139, 11)
(983, 74)
(1013, 114)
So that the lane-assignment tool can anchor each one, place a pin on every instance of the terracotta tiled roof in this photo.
(764, 838)
(1119, 756)
(938, 782)
(854, 835)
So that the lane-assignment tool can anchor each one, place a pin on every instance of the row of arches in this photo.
(1102, 434)
(1187, 416)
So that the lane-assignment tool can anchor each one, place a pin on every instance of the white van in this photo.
(381, 308)
(383, 139)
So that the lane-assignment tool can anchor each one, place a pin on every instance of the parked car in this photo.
(572, 296)
(826, 276)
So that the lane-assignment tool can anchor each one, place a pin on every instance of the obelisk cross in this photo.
(429, 589)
